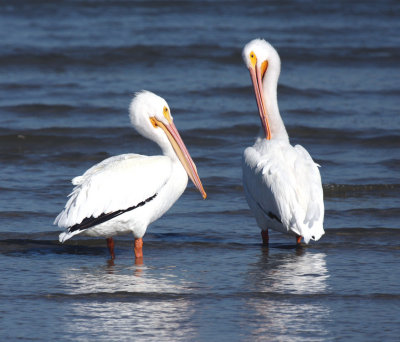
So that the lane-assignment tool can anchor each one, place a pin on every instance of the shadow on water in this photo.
(40, 247)
(298, 248)
(339, 238)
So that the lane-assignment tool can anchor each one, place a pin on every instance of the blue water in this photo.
(68, 71)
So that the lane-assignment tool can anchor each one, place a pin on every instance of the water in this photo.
(68, 71)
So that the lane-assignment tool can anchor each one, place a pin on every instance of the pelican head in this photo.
(264, 64)
(151, 117)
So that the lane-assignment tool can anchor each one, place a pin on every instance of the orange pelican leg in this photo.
(298, 240)
(265, 237)
(110, 245)
(139, 248)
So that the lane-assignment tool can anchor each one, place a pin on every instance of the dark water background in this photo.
(68, 70)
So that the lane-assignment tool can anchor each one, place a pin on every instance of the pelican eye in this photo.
(166, 113)
(253, 58)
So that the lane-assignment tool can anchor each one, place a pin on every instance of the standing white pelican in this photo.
(282, 183)
(126, 193)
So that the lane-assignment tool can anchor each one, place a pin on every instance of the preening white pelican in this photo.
(126, 193)
(281, 182)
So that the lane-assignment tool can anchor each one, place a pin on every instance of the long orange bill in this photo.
(183, 154)
(256, 79)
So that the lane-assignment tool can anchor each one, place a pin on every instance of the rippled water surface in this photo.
(68, 70)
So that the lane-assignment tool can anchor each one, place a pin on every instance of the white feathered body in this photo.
(119, 183)
(283, 188)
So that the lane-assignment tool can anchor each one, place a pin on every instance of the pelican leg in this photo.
(139, 248)
(265, 237)
(298, 240)
(110, 245)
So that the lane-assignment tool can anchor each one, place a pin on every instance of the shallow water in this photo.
(68, 71)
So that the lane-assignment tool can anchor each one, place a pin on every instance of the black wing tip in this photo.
(89, 222)
(270, 214)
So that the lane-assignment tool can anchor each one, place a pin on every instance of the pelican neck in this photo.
(276, 125)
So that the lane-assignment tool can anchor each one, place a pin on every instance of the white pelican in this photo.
(281, 182)
(126, 193)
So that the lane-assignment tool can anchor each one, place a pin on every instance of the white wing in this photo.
(286, 184)
(310, 187)
(116, 183)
